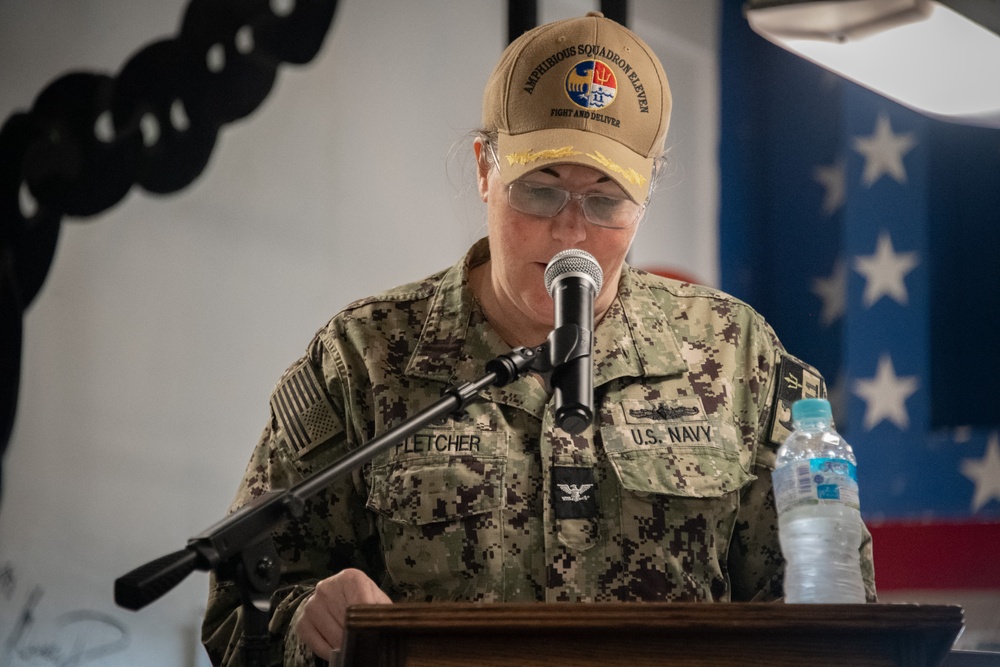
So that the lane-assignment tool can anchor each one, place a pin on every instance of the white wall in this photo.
(164, 322)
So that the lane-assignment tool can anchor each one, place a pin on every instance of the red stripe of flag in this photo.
(936, 556)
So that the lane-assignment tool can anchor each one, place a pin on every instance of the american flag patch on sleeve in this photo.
(303, 409)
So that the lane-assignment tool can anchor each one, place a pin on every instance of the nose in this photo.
(569, 225)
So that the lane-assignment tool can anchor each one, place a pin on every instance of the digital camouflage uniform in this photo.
(666, 497)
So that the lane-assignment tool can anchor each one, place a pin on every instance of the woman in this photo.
(666, 496)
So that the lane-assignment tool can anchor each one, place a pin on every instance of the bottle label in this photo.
(817, 482)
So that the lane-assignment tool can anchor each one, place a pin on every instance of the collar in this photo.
(455, 337)
(634, 339)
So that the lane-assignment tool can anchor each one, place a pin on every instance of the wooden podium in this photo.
(648, 634)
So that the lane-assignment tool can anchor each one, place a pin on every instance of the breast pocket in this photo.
(439, 522)
(680, 474)
(420, 494)
(685, 470)
(673, 447)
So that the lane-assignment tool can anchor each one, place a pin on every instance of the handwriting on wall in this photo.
(70, 639)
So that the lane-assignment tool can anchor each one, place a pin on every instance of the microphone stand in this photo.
(240, 547)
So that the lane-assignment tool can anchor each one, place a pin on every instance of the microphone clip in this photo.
(568, 342)
(564, 344)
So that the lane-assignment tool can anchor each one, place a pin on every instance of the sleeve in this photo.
(305, 433)
(756, 564)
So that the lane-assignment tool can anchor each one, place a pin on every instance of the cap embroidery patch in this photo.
(591, 84)
(545, 154)
(630, 175)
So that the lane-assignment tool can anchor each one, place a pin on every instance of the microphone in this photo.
(573, 278)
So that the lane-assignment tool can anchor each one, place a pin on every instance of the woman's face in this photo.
(521, 245)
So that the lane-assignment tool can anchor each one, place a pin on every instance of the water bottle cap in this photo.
(811, 408)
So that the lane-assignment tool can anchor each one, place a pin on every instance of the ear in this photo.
(482, 168)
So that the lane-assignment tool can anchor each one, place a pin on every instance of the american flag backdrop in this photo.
(869, 237)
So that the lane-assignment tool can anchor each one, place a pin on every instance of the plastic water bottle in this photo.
(819, 517)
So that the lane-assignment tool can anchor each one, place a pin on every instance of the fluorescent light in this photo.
(931, 58)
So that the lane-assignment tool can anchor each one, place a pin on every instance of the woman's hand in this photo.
(321, 625)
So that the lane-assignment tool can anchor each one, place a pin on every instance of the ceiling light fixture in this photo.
(941, 58)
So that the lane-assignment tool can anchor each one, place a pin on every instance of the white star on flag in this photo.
(832, 178)
(985, 474)
(832, 291)
(884, 152)
(886, 395)
(884, 271)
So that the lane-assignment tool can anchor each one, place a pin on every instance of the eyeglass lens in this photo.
(547, 201)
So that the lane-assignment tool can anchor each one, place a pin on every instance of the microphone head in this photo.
(573, 262)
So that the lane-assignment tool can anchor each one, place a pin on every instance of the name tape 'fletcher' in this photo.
(420, 443)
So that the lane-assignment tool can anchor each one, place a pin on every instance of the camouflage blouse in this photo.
(667, 496)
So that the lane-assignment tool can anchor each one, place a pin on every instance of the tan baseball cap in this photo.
(581, 91)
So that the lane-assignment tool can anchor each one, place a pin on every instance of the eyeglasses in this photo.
(546, 201)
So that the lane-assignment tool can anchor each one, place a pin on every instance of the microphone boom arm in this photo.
(240, 547)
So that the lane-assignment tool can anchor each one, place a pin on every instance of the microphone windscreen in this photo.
(573, 261)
